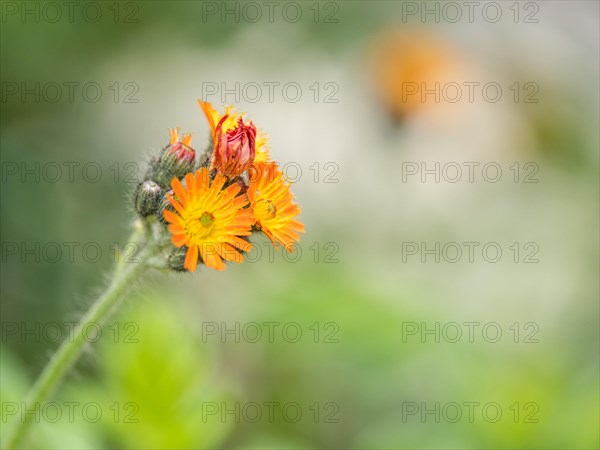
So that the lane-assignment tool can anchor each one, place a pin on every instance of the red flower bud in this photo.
(235, 149)
(175, 160)
(181, 148)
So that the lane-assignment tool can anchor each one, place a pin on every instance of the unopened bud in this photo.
(176, 159)
(147, 198)
(177, 258)
(162, 205)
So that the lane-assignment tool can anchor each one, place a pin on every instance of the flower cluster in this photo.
(210, 205)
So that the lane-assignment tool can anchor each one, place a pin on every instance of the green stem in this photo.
(71, 348)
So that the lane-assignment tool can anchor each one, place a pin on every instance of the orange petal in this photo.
(186, 139)
(174, 135)
(202, 180)
(218, 182)
(243, 245)
(171, 217)
(210, 113)
(229, 253)
(178, 240)
(210, 256)
(191, 258)
(190, 185)
(175, 204)
(179, 191)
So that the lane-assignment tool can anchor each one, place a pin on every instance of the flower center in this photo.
(271, 208)
(266, 208)
(200, 227)
(207, 219)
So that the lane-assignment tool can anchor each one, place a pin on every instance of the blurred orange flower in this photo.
(406, 66)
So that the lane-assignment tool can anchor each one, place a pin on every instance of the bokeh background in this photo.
(364, 373)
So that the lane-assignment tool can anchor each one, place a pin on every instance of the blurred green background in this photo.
(364, 373)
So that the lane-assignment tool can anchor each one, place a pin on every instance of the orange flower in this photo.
(230, 123)
(273, 206)
(209, 220)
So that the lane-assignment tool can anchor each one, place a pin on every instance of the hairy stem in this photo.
(67, 354)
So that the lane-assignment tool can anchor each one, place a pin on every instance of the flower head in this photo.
(273, 207)
(208, 219)
(229, 120)
(208, 213)
(234, 150)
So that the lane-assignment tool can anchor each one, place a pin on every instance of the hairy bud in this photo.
(176, 159)
(147, 198)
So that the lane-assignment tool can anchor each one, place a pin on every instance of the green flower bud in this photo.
(162, 205)
(177, 258)
(147, 197)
